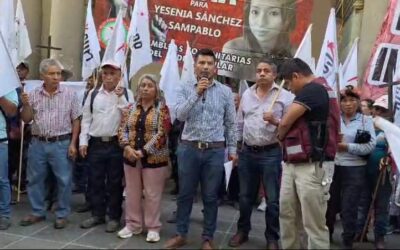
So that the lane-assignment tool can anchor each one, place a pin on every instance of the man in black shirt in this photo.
(303, 195)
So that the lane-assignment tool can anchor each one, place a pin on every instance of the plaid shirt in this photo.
(53, 115)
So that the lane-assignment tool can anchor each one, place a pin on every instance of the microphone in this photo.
(204, 75)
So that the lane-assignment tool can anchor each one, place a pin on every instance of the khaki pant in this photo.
(150, 183)
(303, 203)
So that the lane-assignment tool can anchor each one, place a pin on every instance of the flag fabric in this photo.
(139, 38)
(116, 48)
(392, 134)
(349, 69)
(91, 46)
(385, 50)
(8, 75)
(328, 62)
(23, 42)
(243, 85)
(188, 76)
(396, 102)
(7, 28)
(304, 51)
(170, 79)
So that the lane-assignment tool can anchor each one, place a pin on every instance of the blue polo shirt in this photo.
(12, 97)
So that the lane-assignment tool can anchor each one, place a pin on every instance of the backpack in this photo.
(301, 145)
(93, 95)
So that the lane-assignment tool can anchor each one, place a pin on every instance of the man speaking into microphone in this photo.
(208, 110)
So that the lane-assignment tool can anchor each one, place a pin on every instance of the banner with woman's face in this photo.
(239, 31)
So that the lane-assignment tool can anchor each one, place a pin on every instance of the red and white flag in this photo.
(304, 51)
(139, 38)
(385, 53)
(328, 62)
(117, 47)
(349, 70)
(91, 46)
(188, 76)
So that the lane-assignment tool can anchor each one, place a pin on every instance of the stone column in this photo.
(67, 22)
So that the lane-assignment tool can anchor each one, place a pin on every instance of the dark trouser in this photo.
(347, 185)
(106, 172)
(206, 166)
(381, 204)
(14, 147)
(81, 176)
(252, 165)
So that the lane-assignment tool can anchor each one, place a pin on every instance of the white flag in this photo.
(328, 62)
(139, 38)
(170, 79)
(243, 85)
(304, 51)
(188, 76)
(8, 75)
(22, 37)
(349, 68)
(392, 134)
(7, 28)
(116, 48)
(91, 47)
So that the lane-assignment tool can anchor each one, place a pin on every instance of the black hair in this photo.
(369, 102)
(294, 65)
(205, 52)
(349, 92)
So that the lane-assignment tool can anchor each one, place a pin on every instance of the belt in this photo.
(262, 148)
(204, 145)
(53, 138)
(104, 139)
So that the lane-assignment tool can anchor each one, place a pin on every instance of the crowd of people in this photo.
(313, 152)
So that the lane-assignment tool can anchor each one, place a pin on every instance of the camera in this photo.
(362, 136)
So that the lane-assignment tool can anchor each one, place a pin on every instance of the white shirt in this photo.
(106, 116)
(252, 128)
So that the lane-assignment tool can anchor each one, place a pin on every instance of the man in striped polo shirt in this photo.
(54, 111)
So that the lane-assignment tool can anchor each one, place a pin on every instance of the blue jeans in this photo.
(41, 157)
(5, 191)
(206, 166)
(253, 165)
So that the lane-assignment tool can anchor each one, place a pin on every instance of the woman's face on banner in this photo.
(265, 20)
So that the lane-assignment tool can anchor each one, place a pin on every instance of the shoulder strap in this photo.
(92, 96)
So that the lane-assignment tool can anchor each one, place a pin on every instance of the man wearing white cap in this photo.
(99, 142)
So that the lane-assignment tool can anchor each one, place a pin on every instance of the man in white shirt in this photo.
(261, 155)
(98, 141)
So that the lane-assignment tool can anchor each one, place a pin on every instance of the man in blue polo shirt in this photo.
(8, 106)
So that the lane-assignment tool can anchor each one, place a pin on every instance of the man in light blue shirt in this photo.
(8, 106)
(208, 110)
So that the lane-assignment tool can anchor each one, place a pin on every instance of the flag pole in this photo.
(21, 150)
(276, 96)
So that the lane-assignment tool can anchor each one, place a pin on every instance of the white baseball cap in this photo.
(111, 63)
(382, 102)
